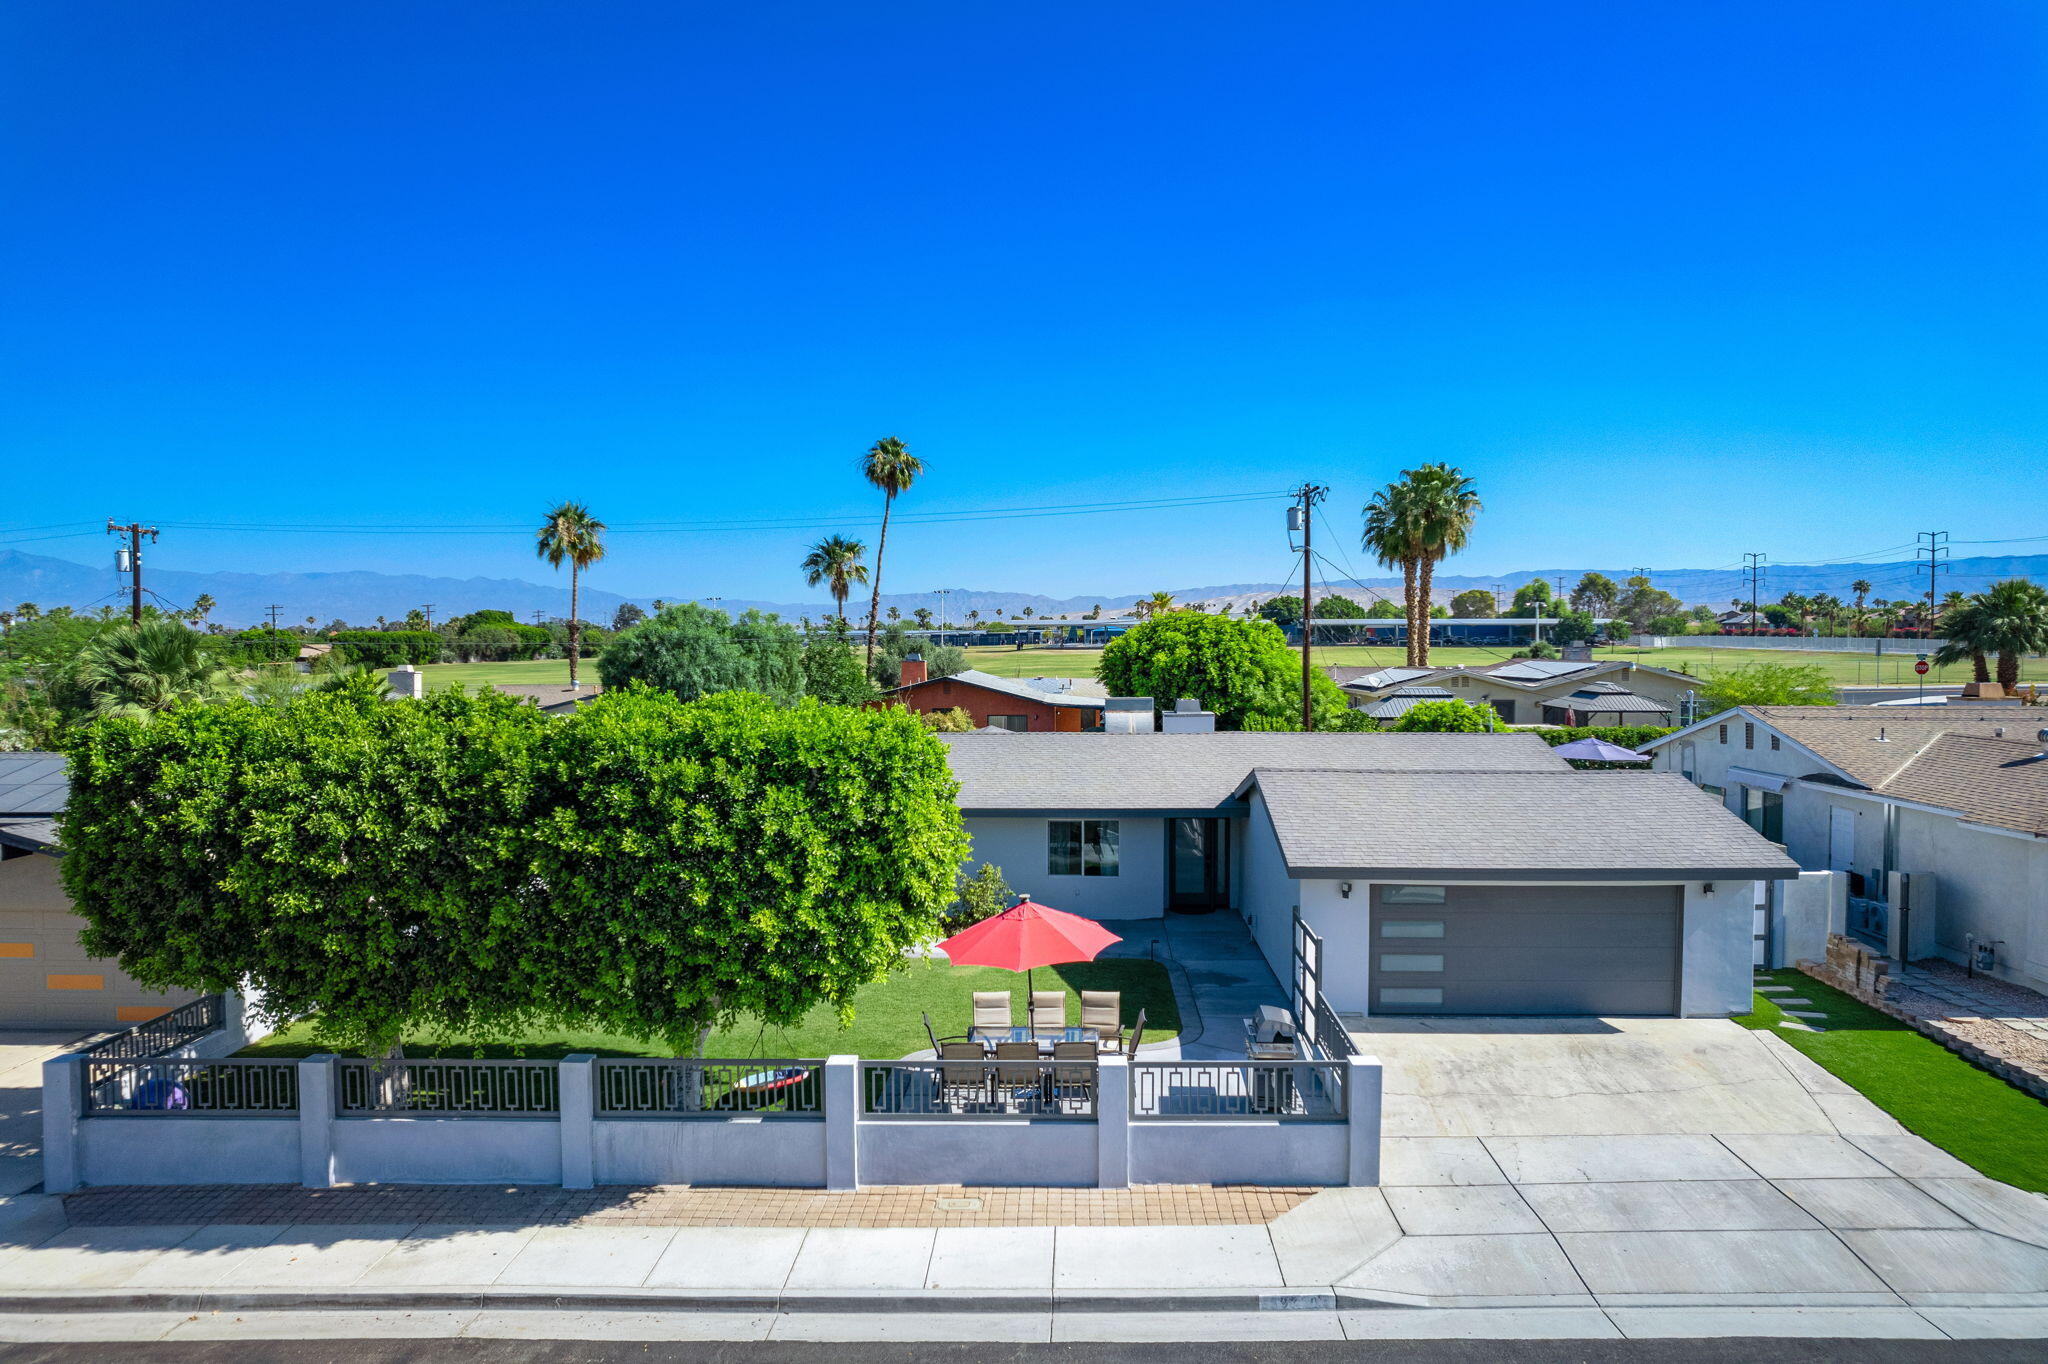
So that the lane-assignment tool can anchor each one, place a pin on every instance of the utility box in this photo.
(408, 682)
(1910, 922)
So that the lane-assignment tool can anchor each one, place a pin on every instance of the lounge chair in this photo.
(1024, 1074)
(991, 1014)
(964, 1072)
(1073, 1071)
(1048, 1013)
(1103, 1010)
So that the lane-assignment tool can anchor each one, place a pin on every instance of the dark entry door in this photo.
(1198, 865)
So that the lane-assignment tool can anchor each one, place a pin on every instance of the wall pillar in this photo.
(1363, 1080)
(63, 1105)
(316, 1121)
(1113, 1123)
(842, 1122)
(578, 1114)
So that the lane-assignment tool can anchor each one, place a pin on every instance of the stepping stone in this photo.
(1790, 999)
(1795, 1025)
(1804, 1013)
(1774, 989)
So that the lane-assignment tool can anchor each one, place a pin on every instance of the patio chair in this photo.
(991, 1014)
(1073, 1071)
(1048, 1013)
(1137, 1032)
(963, 1073)
(1023, 1074)
(1103, 1010)
(937, 1041)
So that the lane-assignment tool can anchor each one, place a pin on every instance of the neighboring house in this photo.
(1955, 797)
(556, 698)
(46, 979)
(1401, 700)
(1538, 691)
(1442, 873)
(1003, 702)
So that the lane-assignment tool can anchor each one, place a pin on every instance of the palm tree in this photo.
(144, 669)
(1444, 507)
(1158, 604)
(973, 617)
(28, 610)
(2015, 623)
(890, 466)
(571, 532)
(895, 615)
(1391, 538)
(202, 608)
(836, 562)
(1969, 638)
(1861, 587)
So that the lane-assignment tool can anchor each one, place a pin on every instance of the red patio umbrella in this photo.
(1027, 935)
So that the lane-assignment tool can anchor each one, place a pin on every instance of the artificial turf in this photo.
(1934, 1093)
(888, 1018)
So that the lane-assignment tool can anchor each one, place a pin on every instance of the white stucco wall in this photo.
(447, 1151)
(988, 1151)
(766, 1152)
(1268, 894)
(159, 1150)
(1345, 926)
(1239, 1152)
(1717, 937)
(1020, 848)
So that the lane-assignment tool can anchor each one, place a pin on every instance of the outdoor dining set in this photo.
(1042, 1066)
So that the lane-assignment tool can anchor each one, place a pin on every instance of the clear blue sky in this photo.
(1672, 281)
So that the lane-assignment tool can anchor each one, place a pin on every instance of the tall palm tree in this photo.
(1861, 587)
(202, 607)
(152, 666)
(836, 562)
(1445, 506)
(1391, 538)
(1968, 639)
(890, 466)
(571, 532)
(28, 610)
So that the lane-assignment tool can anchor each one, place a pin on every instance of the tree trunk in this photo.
(1980, 668)
(2008, 670)
(875, 598)
(1422, 593)
(575, 625)
(1408, 567)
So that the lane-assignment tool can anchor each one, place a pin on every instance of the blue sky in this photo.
(1672, 282)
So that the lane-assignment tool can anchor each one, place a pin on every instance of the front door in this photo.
(1198, 865)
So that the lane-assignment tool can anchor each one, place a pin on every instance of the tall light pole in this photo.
(1301, 516)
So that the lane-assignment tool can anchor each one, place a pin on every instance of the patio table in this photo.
(988, 1037)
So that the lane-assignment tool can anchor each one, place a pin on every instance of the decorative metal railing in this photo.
(1294, 1091)
(447, 1089)
(191, 1089)
(166, 1032)
(979, 1089)
(1332, 1038)
(685, 1088)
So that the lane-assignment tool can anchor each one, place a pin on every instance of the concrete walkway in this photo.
(22, 1053)
(1219, 979)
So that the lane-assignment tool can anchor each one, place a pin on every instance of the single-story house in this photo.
(1442, 873)
(1540, 691)
(46, 979)
(1003, 702)
(1401, 700)
(556, 698)
(1955, 797)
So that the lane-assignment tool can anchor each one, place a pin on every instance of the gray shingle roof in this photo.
(2002, 782)
(1133, 773)
(1847, 737)
(1606, 697)
(38, 835)
(1511, 826)
(1400, 701)
(32, 783)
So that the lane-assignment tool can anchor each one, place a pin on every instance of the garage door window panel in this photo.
(1412, 928)
(1411, 961)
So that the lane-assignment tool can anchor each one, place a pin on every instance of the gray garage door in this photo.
(1525, 950)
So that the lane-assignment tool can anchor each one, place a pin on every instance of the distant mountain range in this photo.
(360, 598)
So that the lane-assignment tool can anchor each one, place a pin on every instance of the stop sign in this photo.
(1920, 667)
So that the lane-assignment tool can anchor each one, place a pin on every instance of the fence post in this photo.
(63, 1108)
(1112, 1123)
(1362, 1096)
(842, 1122)
(316, 1121)
(578, 1102)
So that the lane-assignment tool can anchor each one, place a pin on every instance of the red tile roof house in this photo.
(1001, 702)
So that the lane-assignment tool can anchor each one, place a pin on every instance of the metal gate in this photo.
(1321, 1032)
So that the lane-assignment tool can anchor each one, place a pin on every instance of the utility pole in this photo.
(1302, 514)
(273, 609)
(428, 612)
(1755, 566)
(1934, 549)
(131, 560)
(1496, 600)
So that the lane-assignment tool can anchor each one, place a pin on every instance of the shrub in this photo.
(1447, 717)
(387, 648)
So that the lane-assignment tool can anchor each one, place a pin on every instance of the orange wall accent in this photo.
(138, 1013)
(17, 949)
(75, 982)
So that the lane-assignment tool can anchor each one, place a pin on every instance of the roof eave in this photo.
(1520, 875)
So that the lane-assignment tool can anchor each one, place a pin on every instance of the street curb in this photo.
(686, 1300)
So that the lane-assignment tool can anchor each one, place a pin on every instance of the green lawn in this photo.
(1974, 1116)
(887, 1020)
(474, 675)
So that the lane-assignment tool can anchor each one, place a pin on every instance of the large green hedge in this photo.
(387, 648)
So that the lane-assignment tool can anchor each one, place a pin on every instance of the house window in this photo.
(1724, 734)
(1774, 743)
(1748, 735)
(1019, 723)
(1411, 895)
(1081, 847)
(1688, 761)
(1764, 811)
(1717, 792)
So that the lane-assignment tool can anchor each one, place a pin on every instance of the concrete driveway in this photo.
(22, 1054)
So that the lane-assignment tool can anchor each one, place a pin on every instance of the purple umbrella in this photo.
(1599, 751)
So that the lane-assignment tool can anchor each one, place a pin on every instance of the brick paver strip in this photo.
(686, 1206)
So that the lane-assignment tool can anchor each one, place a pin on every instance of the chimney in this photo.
(1187, 717)
(408, 682)
(913, 670)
